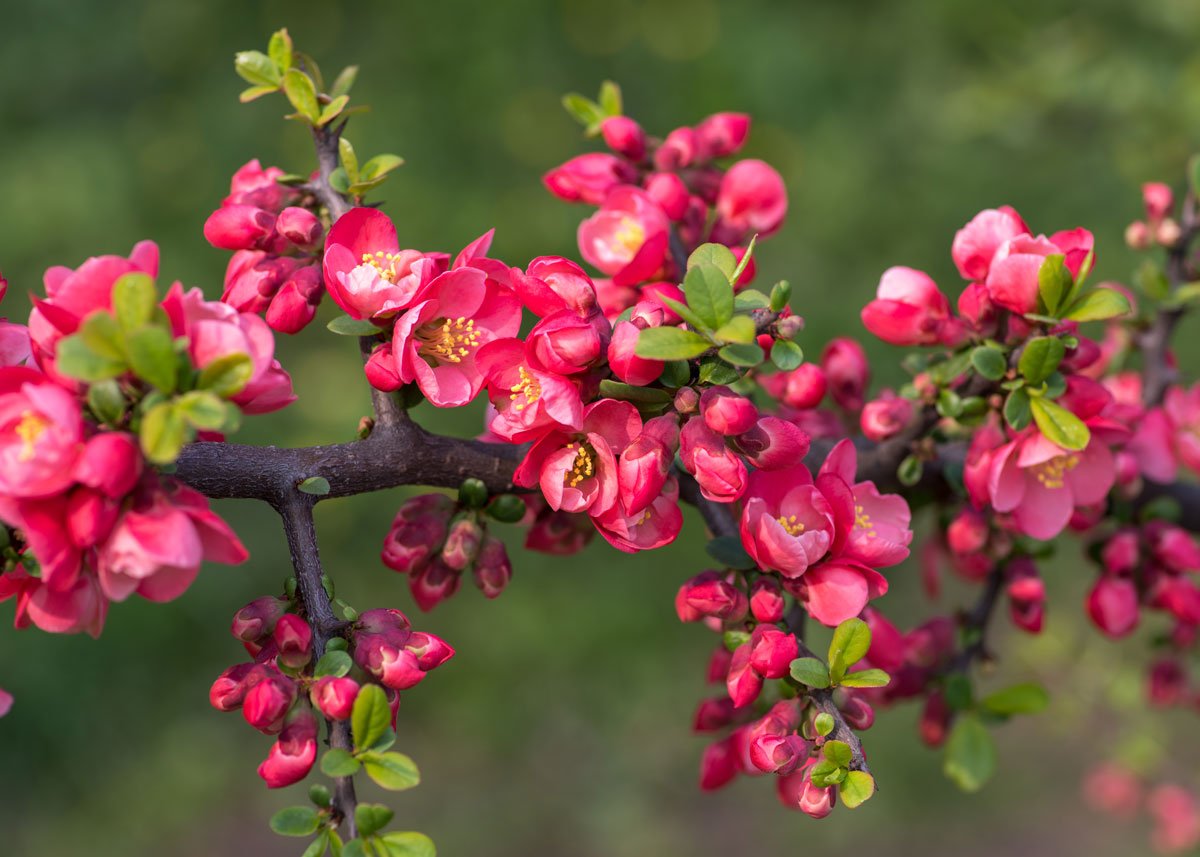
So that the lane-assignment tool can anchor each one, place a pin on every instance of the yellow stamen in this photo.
(527, 387)
(863, 521)
(630, 235)
(448, 340)
(793, 527)
(29, 429)
(384, 263)
(1052, 473)
(584, 466)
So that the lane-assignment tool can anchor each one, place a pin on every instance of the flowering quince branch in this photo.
(667, 378)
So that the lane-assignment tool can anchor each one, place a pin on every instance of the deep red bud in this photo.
(766, 600)
(239, 227)
(230, 688)
(727, 413)
(719, 765)
(624, 136)
(743, 682)
(258, 618)
(293, 637)
(267, 702)
(1113, 606)
(334, 697)
(493, 570)
(431, 652)
(669, 191)
(300, 226)
(713, 714)
(857, 712)
(935, 720)
(772, 651)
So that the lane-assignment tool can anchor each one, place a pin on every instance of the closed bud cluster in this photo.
(385, 646)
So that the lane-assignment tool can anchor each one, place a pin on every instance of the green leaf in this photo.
(910, 470)
(826, 773)
(371, 817)
(407, 843)
(949, 404)
(1098, 305)
(163, 433)
(302, 92)
(295, 821)
(958, 692)
(134, 299)
(865, 678)
(856, 789)
(203, 409)
(226, 376)
(610, 98)
(717, 255)
(670, 343)
(587, 112)
(810, 671)
(744, 262)
(950, 370)
(709, 294)
(1040, 358)
(1059, 425)
(1152, 280)
(741, 355)
(627, 392)
(334, 663)
(1054, 283)
(107, 401)
(317, 847)
(823, 723)
(152, 357)
(319, 794)
(750, 299)
(279, 49)
(338, 762)
(681, 309)
(333, 109)
(1026, 698)
(256, 67)
(1017, 410)
(714, 371)
(786, 354)
(371, 717)
(970, 759)
(101, 333)
(354, 848)
(380, 165)
(317, 485)
(75, 360)
(739, 329)
(837, 752)
(728, 551)
(780, 295)
(676, 373)
(255, 92)
(393, 771)
(851, 640)
(349, 161)
(344, 325)
(344, 81)
(989, 362)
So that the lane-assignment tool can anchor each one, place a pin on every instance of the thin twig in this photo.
(1158, 371)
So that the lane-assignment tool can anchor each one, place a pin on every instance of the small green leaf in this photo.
(717, 255)
(786, 355)
(780, 295)
(333, 109)
(948, 371)
(279, 49)
(610, 98)
(823, 723)
(256, 67)
(989, 362)
(744, 262)
(856, 789)
(335, 663)
(295, 821)
(302, 92)
(134, 299)
(101, 333)
(407, 843)
(741, 355)
(371, 717)
(319, 795)
(826, 773)
(970, 759)
(865, 678)
(393, 771)
(317, 485)
(354, 848)
(255, 92)
(680, 309)
(709, 294)
(227, 376)
(670, 343)
(1017, 410)
(371, 817)
(380, 165)
(344, 325)
(714, 371)
(349, 161)
(1054, 283)
(507, 508)
(163, 433)
(1040, 358)
(910, 470)
(810, 671)
(676, 373)
(1098, 305)
(1059, 425)
(338, 762)
(958, 692)
(627, 392)
(837, 752)
(728, 551)
(750, 299)
(344, 81)
(949, 404)
(733, 638)
(317, 847)
(106, 401)
(75, 360)
(1026, 698)
(152, 357)
(587, 112)
(739, 329)
(203, 409)
(851, 640)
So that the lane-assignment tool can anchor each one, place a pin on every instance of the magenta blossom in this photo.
(627, 238)
(41, 434)
(787, 524)
(909, 309)
(1012, 279)
(975, 245)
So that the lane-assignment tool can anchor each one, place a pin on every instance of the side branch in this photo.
(1158, 372)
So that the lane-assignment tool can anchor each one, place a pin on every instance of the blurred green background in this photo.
(562, 727)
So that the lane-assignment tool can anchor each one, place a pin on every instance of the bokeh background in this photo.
(562, 726)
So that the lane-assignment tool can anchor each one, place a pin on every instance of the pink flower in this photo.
(846, 372)
(551, 284)
(1158, 199)
(41, 433)
(567, 343)
(1012, 280)
(772, 443)
(334, 697)
(68, 609)
(909, 309)
(1041, 484)
(879, 534)
(215, 330)
(292, 756)
(624, 136)
(436, 341)
(975, 245)
(787, 524)
(802, 388)
(366, 272)
(588, 178)
(721, 134)
(577, 472)
(726, 412)
(655, 526)
(752, 199)
(528, 399)
(627, 238)
(1112, 606)
(1176, 819)
(1182, 408)
(885, 416)
(719, 471)
(645, 464)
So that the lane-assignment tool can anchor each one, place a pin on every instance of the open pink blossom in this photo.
(975, 245)
(41, 434)
(627, 238)
(909, 309)
(577, 471)
(78, 607)
(436, 341)
(837, 590)
(655, 526)
(1041, 484)
(528, 398)
(1012, 279)
(880, 532)
(787, 524)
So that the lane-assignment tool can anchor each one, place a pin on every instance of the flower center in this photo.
(1052, 473)
(863, 521)
(527, 387)
(384, 263)
(582, 468)
(630, 235)
(793, 527)
(29, 429)
(448, 340)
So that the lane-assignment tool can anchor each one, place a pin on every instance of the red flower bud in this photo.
(935, 720)
(462, 542)
(727, 413)
(624, 136)
(292, 756)
(721, 135)
(719, 765)
(772, 651)
(257, 619)
(493, 570)
(1113, 606)
(766, 600)
(300, 226)
(267, 702)
(239, 227)
(431, 652)
(334, 697)
(713, 714)
(743, 682)
(293, 637)
(669, 191)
